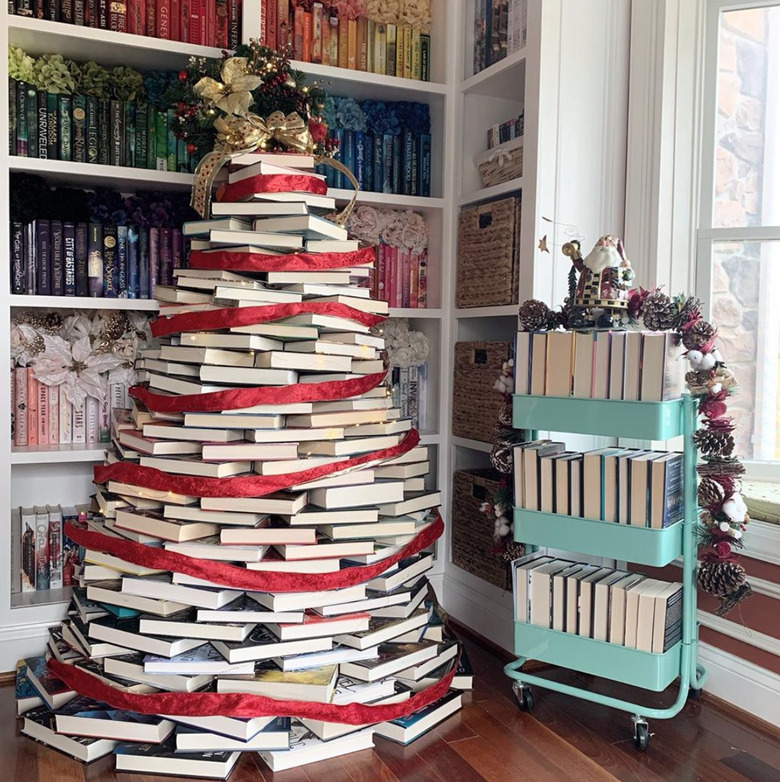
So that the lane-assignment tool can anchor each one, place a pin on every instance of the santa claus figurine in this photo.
(600, 295)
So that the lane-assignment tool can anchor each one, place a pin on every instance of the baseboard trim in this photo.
(751, 691)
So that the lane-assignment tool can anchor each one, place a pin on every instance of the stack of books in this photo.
(624, 485)
(631, 365)
(142, 627)
(500, 29)
(602, 603)
(189, 21)
(317, 33)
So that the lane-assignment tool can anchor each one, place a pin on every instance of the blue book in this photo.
(348, 158)
(387, 163)
(338, 178)
(406, 729)
(120, 268)
(121, 611)
(143, 263)
(359, 157)
(424, 165)
(379, 163)
(368, 162)
(407, 186)
(667, 491)
(397, 164)
(133, 290)
(110, 275)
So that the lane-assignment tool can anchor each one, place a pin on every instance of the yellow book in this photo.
(352, 44)
(391, 57)
(343, 47)
(380, 50)
(406, 50)
(416, 56)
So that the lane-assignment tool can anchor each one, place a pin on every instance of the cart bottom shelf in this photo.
(631, 666)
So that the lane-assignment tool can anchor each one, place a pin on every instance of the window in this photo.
(738, 241)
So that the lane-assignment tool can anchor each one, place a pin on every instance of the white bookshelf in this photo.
(37, 475)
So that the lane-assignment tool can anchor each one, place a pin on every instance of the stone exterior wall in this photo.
(742, 90)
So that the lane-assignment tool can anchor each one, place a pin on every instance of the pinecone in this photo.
(533, 315)
(714, 443)
(721, 579)
(710, 494)
(501, 457)
(698, 335)
(553, 320)
(513, 551)
(658, 311)
(689, 309)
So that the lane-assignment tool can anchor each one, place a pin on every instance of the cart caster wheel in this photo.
(641, 736)
(523, 696)
(694, 694)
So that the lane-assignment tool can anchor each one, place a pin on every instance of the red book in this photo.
(32, 408)
(197, 9)
(151, 18)
(325, 33)
(316, 32)
(422, 277)
(210, 18)
(283, 36)
(271, 25)
(139, 12)
(307, 35)
(406, 292)
(43, 414)
(117, 16)
(184, 23)
(222, 25)
(264, 22)
(298, 32)
(234, 23)
(131, 17)
(175, 20)
(20, 406)
(164, 19)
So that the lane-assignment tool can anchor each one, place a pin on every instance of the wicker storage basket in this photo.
(475, 405)
(488, 243)
(502, 165)
(472, 531)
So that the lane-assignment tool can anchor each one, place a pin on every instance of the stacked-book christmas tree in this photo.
(266, 524)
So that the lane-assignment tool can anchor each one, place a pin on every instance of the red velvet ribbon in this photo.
(212, 320)
(241, 486)
(294, 262)
(204, 704)
(239, 398)
(272, 183)
(240, 578)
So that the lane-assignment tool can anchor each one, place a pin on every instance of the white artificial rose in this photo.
(419, 346)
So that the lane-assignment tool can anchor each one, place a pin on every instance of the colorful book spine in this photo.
(154, 259)
(42, 258)
(41, 549)
(54, 415)
(380, 49)
(65, 145)
(272, 25)
(104, 132)
(362, 43)
(57, 258)
(31, 98)
(424, 161)
(334, 42)
(422, 280)
(104, 421)
(317, 13)
(110, 271)
(234, 26)
(42, 115)
(79, 129)
(30, 254)
(177, 248)
(359, 157)
(82, 259)
(396, 164)
(141, 135)
(117, 142)
(391, 32)
(55, 547)
(379, 163)
(161, 141)
(53, 134)
(128, 154)
(132, 262)
(28, 550)
(91, 420)
(20, 406)
(298, 32)
(32, 408)
(406, 177)
(21, 147)
(69, 258)
(66, 418)
(121, 261)
(172, 141)
(95, 262)
(368, 153)
(92, 132)
(143, 263)
(165, 273)
(425, 57)
(79, 423)
(79, 12)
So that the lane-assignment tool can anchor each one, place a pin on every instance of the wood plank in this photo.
(405, 762)
(367, 767)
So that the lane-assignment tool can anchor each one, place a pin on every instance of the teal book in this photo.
(117, 141)
(172, 141)
(104, 132)
(42, 120)
(130, 142)
(151, 148)
(78, 129)
(65, 123)
(92, 133)
(141, 135)
(161, 141)
(121, 261)
(32, 121)
(12, 113)
(22, 146)
(53, 112)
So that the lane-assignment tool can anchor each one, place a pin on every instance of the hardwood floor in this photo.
(566, 740)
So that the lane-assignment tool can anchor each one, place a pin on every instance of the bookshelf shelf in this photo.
(655, 547)
(414, 312)
(608, 417)
(497, 80)
(57, 454)
(42, 598)
(82, 303)
(642, 669)
(92, 175)
(392, 200)
(472, 445)
(491, 193)
(38, 36)
(487, 312)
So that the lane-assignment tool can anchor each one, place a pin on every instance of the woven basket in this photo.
(476, 404)
(488, 257)
(472, 531)
(502, 168)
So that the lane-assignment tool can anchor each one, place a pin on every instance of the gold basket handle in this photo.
(341, 217)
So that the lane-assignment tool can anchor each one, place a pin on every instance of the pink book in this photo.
(43, 414)
(398, 272)
(406, 293)
(66, 419)
(380, 273)
(20, 402)
(92, 420)
(389, 276)
(32, 408)
(54, 415)
(422, 280)
(414, 280)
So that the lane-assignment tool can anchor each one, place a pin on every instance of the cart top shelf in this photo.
(607, 417)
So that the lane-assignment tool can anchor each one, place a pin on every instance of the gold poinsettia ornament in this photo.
(233, 94)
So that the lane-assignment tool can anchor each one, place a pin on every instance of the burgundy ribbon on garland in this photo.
(272, 183)
(295, 262)
(239, 398)
(241, 578)
(203, 704)
(230, 317)
(241, 486)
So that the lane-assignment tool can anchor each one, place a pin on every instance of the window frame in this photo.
(707, 236)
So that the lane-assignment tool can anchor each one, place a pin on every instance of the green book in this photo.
(172, 141)
(141, 134)
(12, 111)
(42, 119)
(53, 111)
(32, 121)
(391, 50)
(182, 157)
(151, 149)
(161, 141)
(65, 119)
(22, 140)
(117, 144)
(78, 129)
(92, 133)
(425, 56)
(129, 125)
(104, 131)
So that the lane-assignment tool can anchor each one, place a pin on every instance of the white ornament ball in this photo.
(716, 388)
(724, 526)
(503, 530)
(736, 534)
(699, 360)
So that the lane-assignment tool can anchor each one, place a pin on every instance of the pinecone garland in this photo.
(513, 551)
(690, 309)
(714, 443)
(710, 493)
(533, 315)
(721, 579)
(698, 335)
(505, 415)
(658, 311)
(501, 457)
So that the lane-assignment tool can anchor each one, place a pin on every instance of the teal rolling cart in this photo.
(616, 418)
